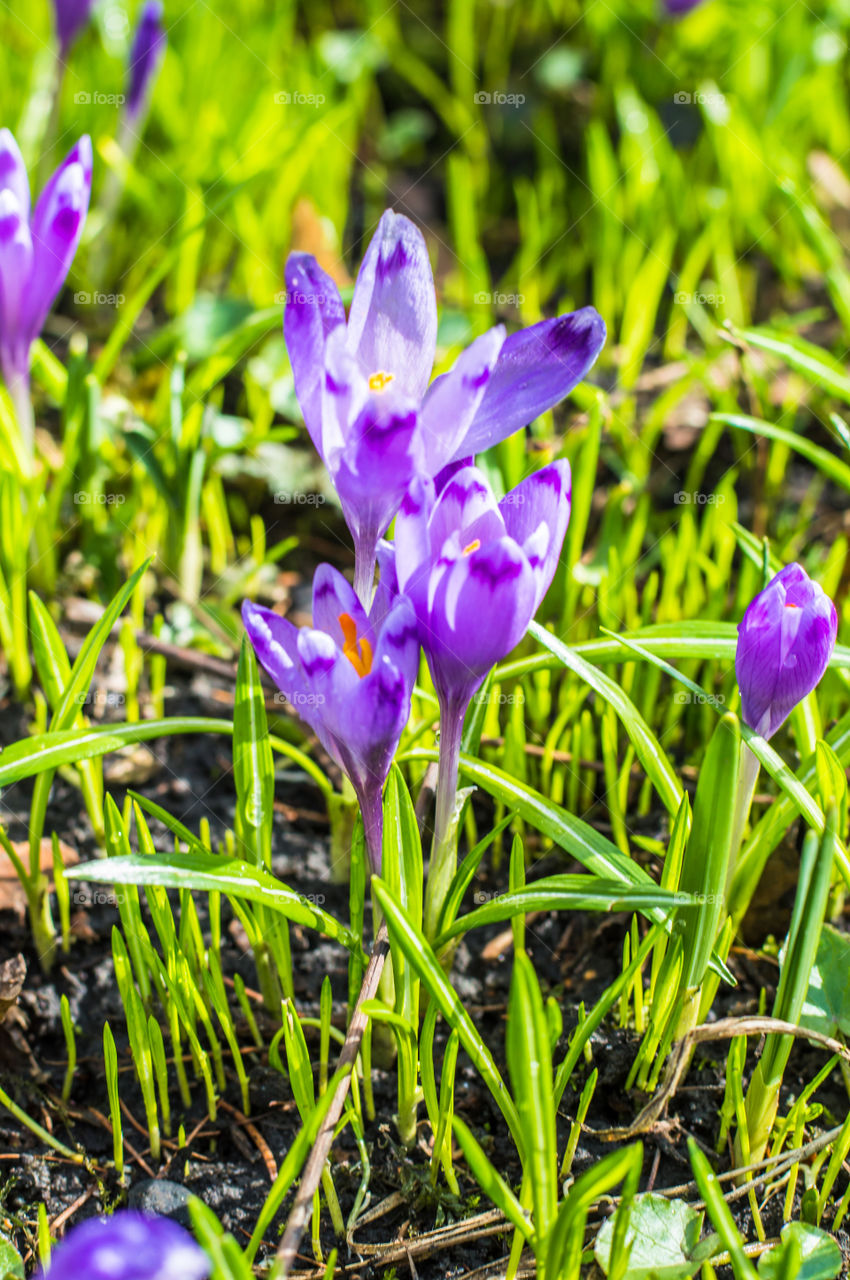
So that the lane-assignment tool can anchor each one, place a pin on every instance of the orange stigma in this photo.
(358, 652)
(471, 546)
(791, 606)
(380, 381)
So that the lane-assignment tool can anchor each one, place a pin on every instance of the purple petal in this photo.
(375, 465)
(785, 641)
(377, 715)
(128, 1246)
(57, 225)
(146, 54)
(313, 310)
(16, 259)
(677, 7)
(537, 367)
(13, 172)
(480, 613)
(275, 642)
(454, 398)
(387, 588)
(71, 17)
(333, 596)
(392, 324)
(398, 641)
(536, 515)
(465, 511)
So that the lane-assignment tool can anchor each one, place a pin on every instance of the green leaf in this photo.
(405, 935)
(649, 750)
(827, 1004)
(490, 1180)
(11, 1264)
(45, 751)
(214, 875)
(663, 1236)
(253, 769)
(708, 851)
(813, 362)
(530, 1065)
(825, 461)
(564, 892)
(817, 1255)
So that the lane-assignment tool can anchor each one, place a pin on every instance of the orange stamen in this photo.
(358, 652)
(380, 381)
(472, 546)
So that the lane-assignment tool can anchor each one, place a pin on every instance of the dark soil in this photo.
(576, 956)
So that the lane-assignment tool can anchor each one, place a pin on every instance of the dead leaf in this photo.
(12, 975)
(12, 896)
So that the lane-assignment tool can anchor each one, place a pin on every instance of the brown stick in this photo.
(347, 1057)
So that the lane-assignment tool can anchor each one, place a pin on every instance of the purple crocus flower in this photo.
(785, 641)
(678, 7)
(128, 1246)
(36, 252)
(71, 17)
(146, 54)
(363, 384)
(476, 571)
(350, 677)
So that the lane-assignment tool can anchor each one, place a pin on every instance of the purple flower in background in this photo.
(350, 677)
(36, 252)
(678, 7)
(476, 571)
(785, 641)
(363, 384)
(71, 17)
(146, 54)
(128, 1246)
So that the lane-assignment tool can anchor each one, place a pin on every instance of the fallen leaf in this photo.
(12, 974)
(12, 896)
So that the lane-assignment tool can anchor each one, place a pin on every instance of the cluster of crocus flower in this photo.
(128, 1246)
(466, 572)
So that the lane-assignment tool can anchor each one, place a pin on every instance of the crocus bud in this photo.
(785, 640)
(146, 54)
(128, 1246)
(71, 17)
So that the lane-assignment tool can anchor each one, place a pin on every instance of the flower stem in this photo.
(747, 779)
(372, 810)
(365, 557)
(21, 397)
(444, 849)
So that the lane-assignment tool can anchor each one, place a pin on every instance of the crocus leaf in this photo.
(812, 361)
(649, 750)
(565, 892)
(411, 940)
(530, 1064)
(827, 1006)
(216, 875)
(664, 1239)
(11, 1265)
(823, 459)
(817, 1255)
